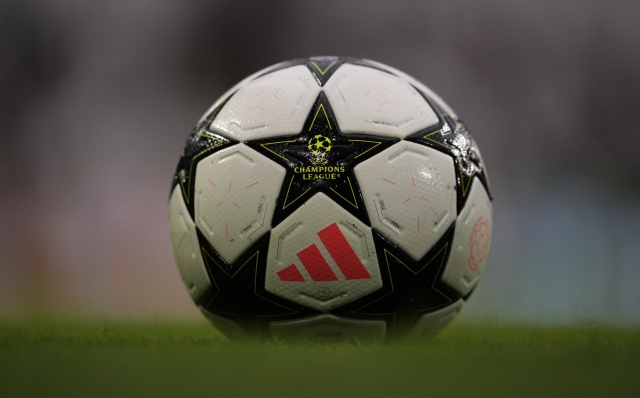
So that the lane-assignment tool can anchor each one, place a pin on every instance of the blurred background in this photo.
(97, 99)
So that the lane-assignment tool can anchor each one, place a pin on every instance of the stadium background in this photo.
(97, 99)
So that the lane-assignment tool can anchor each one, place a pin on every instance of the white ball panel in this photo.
(272, 105)
(235, 194)
(471, 241)
(429, 325)
(409, 192)
(366, 100)
(300, 234)
(433, 96)
(328, 328)
(186, 248)
(235, 88)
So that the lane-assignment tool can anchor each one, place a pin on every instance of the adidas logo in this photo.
(316, 265)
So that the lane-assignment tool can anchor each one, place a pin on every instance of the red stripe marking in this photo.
(425, 198)
(290, 274)
(342, 253)
(413, 179)
(406, 200)
(316, 265)
(214, 184)
(236, 204)
(389, 181)
(220, 203)
(391, 91)
(229, 185)
(249, 186)
(276, 94)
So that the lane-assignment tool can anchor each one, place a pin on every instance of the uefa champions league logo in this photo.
(319, 145)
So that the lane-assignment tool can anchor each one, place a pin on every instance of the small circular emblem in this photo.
(324, 292)
(479, 243)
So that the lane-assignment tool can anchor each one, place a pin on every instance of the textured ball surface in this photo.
(330, 199)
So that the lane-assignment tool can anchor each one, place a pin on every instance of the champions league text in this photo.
(319, 172)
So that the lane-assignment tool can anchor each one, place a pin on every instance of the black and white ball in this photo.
(330, 198)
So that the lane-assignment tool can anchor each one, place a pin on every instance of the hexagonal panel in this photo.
(186, 247)
(235, 195)
(409, 192)
(322, 257)
(367, 100)
(328, 328)
(275, 104)
(429, 325)
(471, 241)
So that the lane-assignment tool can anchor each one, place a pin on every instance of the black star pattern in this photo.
(201, 142)
(409, 288)
(237, 290)
(327, 168)
(323, 68)
(452, 137)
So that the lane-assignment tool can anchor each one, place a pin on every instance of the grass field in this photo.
(49, 359)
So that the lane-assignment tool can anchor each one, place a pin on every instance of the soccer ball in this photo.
(331, 199)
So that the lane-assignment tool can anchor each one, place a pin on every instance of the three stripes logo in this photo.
(316, 265)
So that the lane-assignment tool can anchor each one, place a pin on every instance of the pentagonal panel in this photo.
(328, 328)
(322, 257)
(275, 104)
(420, 86)
(367, 100)
(471, 241)
(186, 247)
(409, 191)
(429, 325)
(236, 191)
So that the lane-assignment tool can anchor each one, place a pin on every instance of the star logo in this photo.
(320, 159)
